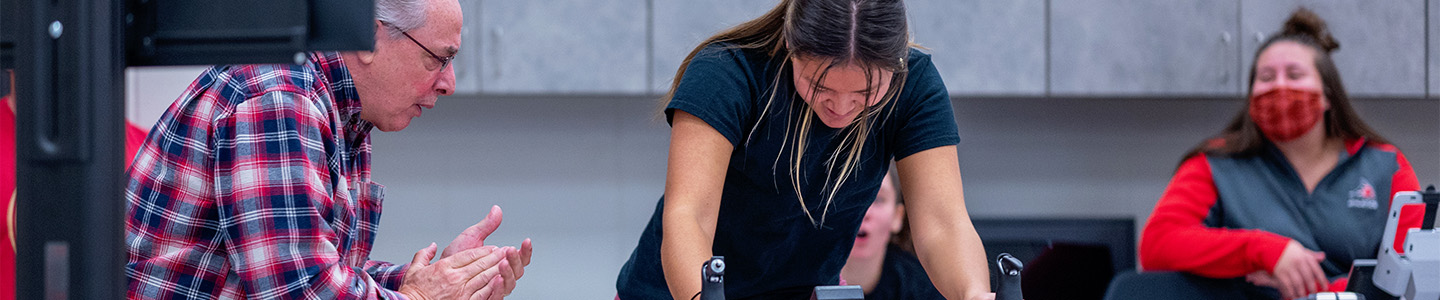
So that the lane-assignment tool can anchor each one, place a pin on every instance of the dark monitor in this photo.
(171, 32)
(7, 54)
(1065, 258)
(5, 79)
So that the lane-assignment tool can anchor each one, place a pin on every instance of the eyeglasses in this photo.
(444, 61)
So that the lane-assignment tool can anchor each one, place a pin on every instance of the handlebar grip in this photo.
(1009, 283)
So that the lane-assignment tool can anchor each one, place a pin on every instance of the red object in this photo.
(134, 137)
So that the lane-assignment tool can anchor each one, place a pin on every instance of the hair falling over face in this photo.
(869, 34)
(840, 164)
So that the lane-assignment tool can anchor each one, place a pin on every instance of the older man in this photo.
(257, 183)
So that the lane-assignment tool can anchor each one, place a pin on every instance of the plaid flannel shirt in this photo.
(256, 183)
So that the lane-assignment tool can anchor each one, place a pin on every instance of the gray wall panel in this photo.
(562, 46)
(1433, 51)
(984, 47)
(680, 25)
(1382, 43)
(1137, 47)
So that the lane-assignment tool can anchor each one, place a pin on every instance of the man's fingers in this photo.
(493, 290)
(525, 251)
(481, 231)
(498, 293)
(484, 265)
(475, 235)
(490, 274)
(424, 256)
(474, 288)
(513, 257)
(467, 257)
(507, 272)
(487, 291)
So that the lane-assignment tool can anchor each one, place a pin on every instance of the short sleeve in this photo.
(926, 118)
(716, 88)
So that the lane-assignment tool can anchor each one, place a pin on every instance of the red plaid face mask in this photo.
(1284, 114)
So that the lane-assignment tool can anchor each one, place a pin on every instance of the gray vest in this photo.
(1344, 217)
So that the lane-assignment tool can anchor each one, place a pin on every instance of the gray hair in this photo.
(402, 15)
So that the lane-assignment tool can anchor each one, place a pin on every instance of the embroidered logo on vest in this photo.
(1363, 196)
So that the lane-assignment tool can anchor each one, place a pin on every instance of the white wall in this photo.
(150, 90)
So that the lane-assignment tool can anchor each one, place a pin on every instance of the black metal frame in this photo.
(70, 57)
(70, 64)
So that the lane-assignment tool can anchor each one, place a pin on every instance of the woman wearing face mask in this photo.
(1292, 191)
(781, 130)
(880, 262)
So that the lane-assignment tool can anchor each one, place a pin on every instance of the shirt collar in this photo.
(336, 76)
(1353, 145)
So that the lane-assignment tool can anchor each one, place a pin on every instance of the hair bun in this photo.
(1306, 23)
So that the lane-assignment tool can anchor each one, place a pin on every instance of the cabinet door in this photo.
(562, 46)
(1382, 43)
(680, 26)
(984, 47)
(1433, 54)
(1141, 47)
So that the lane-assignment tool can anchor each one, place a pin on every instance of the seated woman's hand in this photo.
(1297, 274)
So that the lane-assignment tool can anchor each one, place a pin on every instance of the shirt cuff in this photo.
(1265, 250)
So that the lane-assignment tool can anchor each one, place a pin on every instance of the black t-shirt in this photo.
(772, 250)
(902, 277)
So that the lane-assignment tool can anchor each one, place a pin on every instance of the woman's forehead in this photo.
(820, 64)
(845, 74)
(1286, 53)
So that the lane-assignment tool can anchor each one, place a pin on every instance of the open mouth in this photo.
(862, 234)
